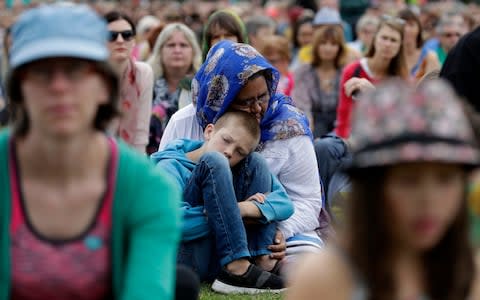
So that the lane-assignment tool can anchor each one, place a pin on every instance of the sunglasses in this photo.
(127, 35)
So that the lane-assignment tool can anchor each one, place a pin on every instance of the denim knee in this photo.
(257, 160)
(251, 176)
(215, 161)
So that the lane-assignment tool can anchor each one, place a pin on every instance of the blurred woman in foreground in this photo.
(407, 212)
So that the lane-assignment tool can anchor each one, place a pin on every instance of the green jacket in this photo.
(145, 230)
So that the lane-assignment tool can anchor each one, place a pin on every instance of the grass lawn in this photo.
(206, 293)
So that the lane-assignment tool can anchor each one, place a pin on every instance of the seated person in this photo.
(224, 182)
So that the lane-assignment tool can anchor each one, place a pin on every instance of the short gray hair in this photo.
(447, 19)
(367, 20)
(254, 23)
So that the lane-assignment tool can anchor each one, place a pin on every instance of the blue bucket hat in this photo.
(58, 30)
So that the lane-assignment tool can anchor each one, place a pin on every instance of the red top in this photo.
(285, 84)
(345, 105)
(77, 268)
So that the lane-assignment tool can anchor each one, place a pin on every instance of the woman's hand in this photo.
(279, 246)
(357, 85)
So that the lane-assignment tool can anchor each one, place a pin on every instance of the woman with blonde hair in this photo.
(384, 59)
(317, 84)
(175, 58)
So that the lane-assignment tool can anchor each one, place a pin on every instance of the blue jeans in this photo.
(332, 156)
(218, 188)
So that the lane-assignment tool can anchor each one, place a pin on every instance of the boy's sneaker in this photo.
(254, 281)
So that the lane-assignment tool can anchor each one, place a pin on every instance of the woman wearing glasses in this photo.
(135, 85)
(385, 59)
(236, 76)
(82, 216)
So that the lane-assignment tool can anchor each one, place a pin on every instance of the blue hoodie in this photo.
(173, 159)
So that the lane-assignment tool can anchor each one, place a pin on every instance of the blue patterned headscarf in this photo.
(225, 72)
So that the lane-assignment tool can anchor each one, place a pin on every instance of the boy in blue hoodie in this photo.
(230, 204)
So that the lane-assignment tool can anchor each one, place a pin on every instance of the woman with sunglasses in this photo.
(136, 84)
(406, 230)
(384, 59)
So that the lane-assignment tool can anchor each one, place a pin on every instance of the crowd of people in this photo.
(321, 149)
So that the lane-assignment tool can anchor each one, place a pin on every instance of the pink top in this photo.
(77, 268)
(285, 84)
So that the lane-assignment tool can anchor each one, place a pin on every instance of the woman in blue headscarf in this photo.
(236, 76)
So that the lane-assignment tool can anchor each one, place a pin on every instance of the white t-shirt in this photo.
(293, 161)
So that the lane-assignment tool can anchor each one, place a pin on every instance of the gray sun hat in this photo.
(398, 124)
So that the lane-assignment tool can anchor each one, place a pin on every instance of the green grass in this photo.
(206, 293)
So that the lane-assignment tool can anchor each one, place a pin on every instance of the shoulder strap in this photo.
(357, 71)
(4, 217)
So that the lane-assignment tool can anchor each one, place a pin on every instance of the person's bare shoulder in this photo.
(325, 275)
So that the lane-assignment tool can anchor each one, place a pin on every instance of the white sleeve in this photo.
(294, 162)
(182, 124)
(145, 107)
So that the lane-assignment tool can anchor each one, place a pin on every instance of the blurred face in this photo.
(177, 53)
(462, 24)
(61, 96)
(278, 61)
(328, 50)
(422, 201)
(366, 35)
(305, 34)
(121, 40)
(256, 39)
(387, 42)
(411, 31)
(253, 98)
(449, 37)
(218, 34)
(235, 142)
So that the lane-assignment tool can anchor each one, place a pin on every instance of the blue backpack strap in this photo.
(357, 71)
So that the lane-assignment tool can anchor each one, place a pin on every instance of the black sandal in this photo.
(254, 281)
